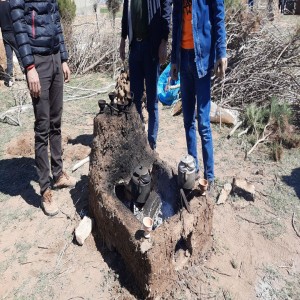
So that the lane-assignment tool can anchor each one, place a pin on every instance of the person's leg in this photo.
(56, 107)
(9, 58)
(136, 73)
(283, 6)
(151, 67)
(202, 86)
(187, 87)
(41, 107)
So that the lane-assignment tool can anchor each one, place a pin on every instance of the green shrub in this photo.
(67, 10)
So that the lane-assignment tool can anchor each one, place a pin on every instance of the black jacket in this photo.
(5, 18)
(37, 29)
(159, 15)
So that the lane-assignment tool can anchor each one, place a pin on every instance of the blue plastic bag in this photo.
(167, 97)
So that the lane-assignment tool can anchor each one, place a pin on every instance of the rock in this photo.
(243, 188)
(83, 230)
(224, 193)
(145, 246)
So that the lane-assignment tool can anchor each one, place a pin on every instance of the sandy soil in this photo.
(255, 254)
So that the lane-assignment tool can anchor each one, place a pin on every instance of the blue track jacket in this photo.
(208, 32)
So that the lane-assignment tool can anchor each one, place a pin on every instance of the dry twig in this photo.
(293, 224)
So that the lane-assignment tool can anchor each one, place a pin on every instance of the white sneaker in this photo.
(10, 83)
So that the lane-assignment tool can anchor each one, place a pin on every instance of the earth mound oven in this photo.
(119, 148)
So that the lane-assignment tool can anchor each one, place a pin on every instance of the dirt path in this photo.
(255, 253)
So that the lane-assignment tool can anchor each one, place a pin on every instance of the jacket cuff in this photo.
(221, 53)
(28, 68)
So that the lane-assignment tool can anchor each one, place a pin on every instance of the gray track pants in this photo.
(48, 110)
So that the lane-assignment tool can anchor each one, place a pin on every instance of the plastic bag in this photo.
(165, 95)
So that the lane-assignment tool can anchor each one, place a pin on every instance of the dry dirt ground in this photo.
(255, 254)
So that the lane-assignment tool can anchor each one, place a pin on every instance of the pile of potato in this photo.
(122, 88)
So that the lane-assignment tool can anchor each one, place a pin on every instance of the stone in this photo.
(83, 230)
(224, 193)
(243, 189)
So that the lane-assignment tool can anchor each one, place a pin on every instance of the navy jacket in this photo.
(159, 15)
(37, 29)
(208, 32)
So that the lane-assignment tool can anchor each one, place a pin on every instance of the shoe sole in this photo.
(63, 186)
(47, 213)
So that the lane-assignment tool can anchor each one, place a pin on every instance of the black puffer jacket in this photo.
(37, 29)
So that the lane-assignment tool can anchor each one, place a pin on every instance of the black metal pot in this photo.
(101, 104)
(140, 184)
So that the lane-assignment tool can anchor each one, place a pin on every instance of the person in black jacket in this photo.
(41, 45)
(146, 24)
(9, 41)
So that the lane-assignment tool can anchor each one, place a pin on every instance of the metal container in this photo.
(187, 172)
(140, 184)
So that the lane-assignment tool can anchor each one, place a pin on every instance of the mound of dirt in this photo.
(75, 152)
(22, 145)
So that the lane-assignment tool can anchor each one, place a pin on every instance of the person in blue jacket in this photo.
(146, 24)
(198, 47)
(42, 49)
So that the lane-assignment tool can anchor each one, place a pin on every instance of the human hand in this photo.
(122, 49)
(220, 67)
(174, 72)
(163, 52)
(34, 83)
(66, 71)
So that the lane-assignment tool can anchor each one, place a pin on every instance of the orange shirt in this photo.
(187, 41)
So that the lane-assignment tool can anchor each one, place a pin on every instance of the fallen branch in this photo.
(217, 271)
(103, 91)
(240, 270)
(254, 222)
(294, 227)
(80, 163)
(89, 68)
(261, 140)
(9, 120)
(234, 129)
(244, 132)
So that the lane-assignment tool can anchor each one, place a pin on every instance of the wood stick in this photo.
(234, 129)
(244, 132)
(254, 222)
(294, 227)
(217, 271)
(80, 163)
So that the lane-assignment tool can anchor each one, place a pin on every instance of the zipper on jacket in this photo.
(33, 24)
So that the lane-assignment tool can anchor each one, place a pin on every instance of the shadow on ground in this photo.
(293, 180)
(79, 195)
(16, 175)
(84, 139)
(116, 263)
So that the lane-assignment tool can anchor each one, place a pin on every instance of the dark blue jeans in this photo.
(143, 67)
(10, 45)
(194, 88)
